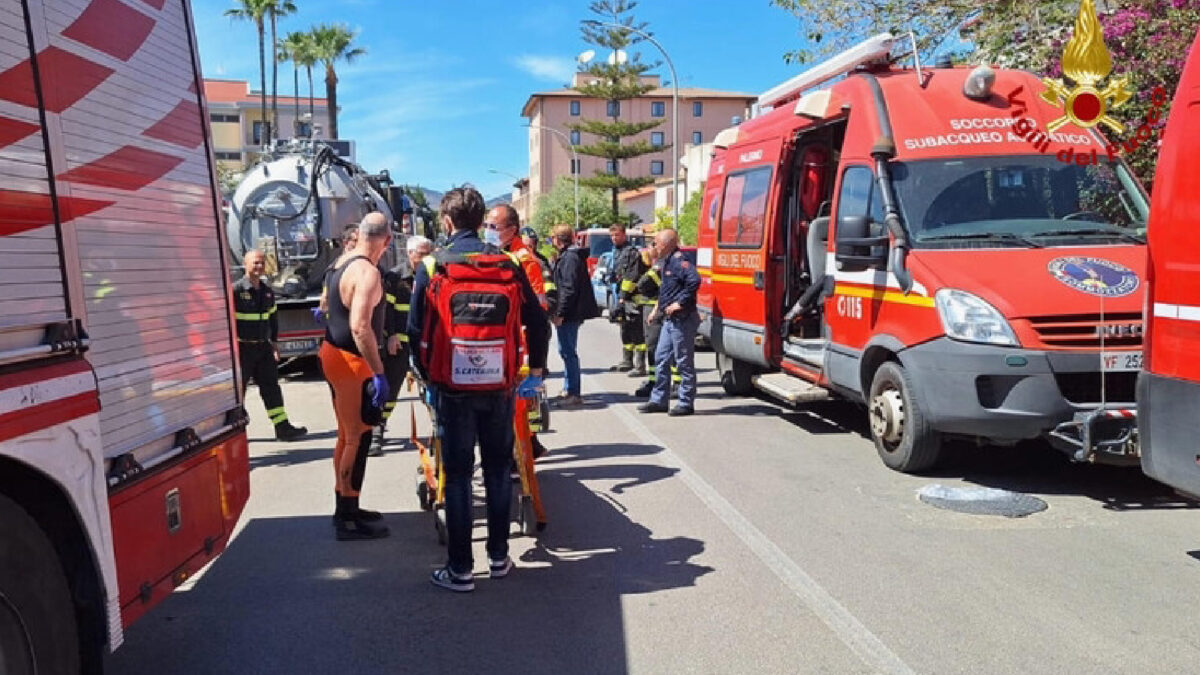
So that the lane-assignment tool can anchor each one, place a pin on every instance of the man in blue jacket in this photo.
(677, 342)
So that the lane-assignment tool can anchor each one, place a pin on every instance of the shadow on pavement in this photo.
(286, 597)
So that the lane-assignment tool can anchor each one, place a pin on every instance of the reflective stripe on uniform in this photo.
(627, 286)
(653, 274)
(248, 316)
(550, 286)
(277, 415)
(639, 348)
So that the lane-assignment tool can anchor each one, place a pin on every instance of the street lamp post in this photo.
(574, 157)
(674, 107)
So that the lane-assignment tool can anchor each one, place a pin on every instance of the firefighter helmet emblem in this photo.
(1095, 276)
(1086, 62)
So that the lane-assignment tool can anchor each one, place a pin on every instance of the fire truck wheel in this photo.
(37, 620)
(899, 428)
(735, 375)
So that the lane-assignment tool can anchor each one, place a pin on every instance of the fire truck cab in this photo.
(1169, 388)
(913, 240)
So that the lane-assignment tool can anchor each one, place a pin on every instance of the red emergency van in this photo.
(1169, 388)
(917, 241)
(123, 451)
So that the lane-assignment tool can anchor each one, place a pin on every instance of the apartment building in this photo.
(702, 113)
(237, 124)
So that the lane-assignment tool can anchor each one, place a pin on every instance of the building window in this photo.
(696, 138)
(658, 109)
(575, 137)
(258, 131)
(656, 167)
(304, 129)
(656, 139)
(229, 156)
(611, 166)
(575, 108)
(697, 108)
(223, 117)
(574, 167)
(614, 108)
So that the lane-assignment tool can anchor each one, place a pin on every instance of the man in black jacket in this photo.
(576, 304)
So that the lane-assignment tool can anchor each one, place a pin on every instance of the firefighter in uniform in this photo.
(646, 296)
(677, 343)
(397, 293)
(258, 336)
(627, 267)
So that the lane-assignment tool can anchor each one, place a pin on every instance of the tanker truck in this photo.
(292, 205)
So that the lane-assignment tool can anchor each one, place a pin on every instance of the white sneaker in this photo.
(498, 569)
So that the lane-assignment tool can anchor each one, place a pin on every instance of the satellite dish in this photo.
(587, 56)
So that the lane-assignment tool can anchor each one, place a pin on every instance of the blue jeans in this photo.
(676, 346)
(568, 349)
(463, 420)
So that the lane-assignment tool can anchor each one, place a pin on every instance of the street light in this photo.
(589, 55)
(505, 173)
(574, 156)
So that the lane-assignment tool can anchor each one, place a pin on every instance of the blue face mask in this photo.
(491, 236)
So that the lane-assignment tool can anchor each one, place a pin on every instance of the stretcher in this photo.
(530, 415)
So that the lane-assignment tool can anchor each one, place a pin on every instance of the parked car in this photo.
(606, 293)
(598, 241)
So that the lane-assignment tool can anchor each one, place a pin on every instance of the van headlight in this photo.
(969, 318)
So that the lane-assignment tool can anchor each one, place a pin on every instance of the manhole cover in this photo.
(981, 501)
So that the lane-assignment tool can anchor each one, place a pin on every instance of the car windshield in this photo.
(1033, 200)
(600, 243)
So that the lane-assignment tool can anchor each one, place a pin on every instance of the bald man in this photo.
(258, 338)
(677, 342)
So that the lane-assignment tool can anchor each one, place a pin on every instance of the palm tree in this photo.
(333, 44)
(297, 48)
(256, 11)
(275, 10)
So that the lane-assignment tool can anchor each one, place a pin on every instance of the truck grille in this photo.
(1084, 388)
(1121, 330)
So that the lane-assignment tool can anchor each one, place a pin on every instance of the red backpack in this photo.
(471, 340)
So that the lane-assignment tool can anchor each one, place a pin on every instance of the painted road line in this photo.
(848, 629)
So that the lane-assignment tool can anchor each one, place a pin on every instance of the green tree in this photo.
(275, 10)
(615, 82)
(334, 43)
(297, 48)
(689, 218)
(257, 11)
(558, 206)
(423, 212)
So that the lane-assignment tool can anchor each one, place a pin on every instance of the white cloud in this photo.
(556, 68)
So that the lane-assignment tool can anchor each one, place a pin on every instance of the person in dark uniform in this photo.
(632, 266)
(677, 343)
(258, 338)
(397, 293)
(624, 257)
(645, 295)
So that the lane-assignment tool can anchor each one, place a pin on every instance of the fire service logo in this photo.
(1086, 62)
(1095, 276)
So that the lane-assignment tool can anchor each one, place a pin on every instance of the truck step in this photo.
(790, 389)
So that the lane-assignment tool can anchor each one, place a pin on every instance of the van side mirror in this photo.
(860, 244)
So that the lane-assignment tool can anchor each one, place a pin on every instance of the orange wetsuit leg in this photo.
(347, 375)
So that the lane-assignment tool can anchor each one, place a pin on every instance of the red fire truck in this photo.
(917, 240)
(123, 454)
(1169, 388)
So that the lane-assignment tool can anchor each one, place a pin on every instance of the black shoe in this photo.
(637, 372)
(681, 411)
(284, 431)
(644, 390)
(622, 367)
(538, 449)
(446, 578)
(356, 529)
(365, 515)
(650, 407)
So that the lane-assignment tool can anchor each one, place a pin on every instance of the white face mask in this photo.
(491, 236)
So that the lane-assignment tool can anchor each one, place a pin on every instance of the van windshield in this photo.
(1033, 200)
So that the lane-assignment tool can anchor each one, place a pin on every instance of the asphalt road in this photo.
(746, 538)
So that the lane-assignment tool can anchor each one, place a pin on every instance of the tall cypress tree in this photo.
(615, 79)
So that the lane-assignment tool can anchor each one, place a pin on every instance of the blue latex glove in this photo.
(529, 386)
(381, 391)
(318, 316)
(431, 396)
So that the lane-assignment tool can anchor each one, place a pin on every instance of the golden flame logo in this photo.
(1086, 62)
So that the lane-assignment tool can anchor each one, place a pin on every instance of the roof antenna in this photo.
(917, 59)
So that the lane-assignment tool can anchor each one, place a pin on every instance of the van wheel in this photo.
(901, 432)
(38, 633)
(735, 375)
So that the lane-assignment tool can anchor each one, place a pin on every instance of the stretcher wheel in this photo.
(424, 497)
(439, 524)
(527, 518)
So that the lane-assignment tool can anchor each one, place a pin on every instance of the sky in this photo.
(437, 98)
